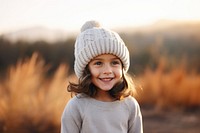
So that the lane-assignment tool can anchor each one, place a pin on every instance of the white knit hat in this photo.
(95, 40)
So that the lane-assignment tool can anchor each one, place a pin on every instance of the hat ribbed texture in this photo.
(95, 40)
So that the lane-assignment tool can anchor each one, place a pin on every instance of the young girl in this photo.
(104, 101)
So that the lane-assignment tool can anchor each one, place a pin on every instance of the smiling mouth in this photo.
(106, 79)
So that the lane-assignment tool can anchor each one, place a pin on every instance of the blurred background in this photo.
(36, 59)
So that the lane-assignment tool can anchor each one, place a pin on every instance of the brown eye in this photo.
(115, 62)
(98, 63)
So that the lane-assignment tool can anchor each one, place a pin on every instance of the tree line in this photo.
(146, 50)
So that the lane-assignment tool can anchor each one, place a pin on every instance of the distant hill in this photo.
(37, 33)
(164, 25)
(163, 31)
(172, 29)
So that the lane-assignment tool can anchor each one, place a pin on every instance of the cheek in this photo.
(93, 72)
(118, 73)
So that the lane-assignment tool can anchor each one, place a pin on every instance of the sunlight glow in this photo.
(70, 15)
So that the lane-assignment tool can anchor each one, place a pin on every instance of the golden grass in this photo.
(174, 88)
(30, 102)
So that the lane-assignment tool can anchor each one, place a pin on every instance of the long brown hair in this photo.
(122, 89)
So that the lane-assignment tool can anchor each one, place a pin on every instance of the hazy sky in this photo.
(69, 15)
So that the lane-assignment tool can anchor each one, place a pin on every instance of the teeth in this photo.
(106, 79)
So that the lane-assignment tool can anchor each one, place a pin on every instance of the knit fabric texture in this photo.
(84, 114)
(95, 40)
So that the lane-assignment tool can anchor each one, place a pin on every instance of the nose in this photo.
(107, 69)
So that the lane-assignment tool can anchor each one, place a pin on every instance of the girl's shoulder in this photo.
(75, 106)
(79, 100)
(130, 99)
(131, 102)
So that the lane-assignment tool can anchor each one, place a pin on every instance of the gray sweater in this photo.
(87, 115)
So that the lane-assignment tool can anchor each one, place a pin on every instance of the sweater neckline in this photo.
(103, 104)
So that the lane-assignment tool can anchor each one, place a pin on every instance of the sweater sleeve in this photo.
(71, 118)
(135, 120)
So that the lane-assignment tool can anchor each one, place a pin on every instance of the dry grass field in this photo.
(172, 88)
(32, 103)
(170, 101)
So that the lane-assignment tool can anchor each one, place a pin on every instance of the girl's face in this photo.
(106, 71)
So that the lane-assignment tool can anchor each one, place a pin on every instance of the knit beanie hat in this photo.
(95, 40)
